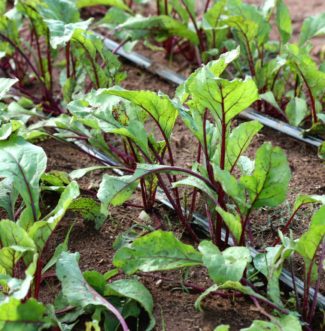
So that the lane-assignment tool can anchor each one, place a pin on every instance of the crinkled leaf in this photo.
(89, 209)
(158, 250)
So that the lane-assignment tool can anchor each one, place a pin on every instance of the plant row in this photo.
(44, 39)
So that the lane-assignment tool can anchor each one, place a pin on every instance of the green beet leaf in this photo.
(115, 190)
(306, 199)
(228, 265)
(296, 111)
(62, 19)
(283, 21)
(158, 250)
(313, 26)
(5, 85)
(270, 264)
(41, 230)
(238, 141)
(321, 151)
(309, 242)
(139, 28)
(113, 3)
(77, 291)
(268, 185)
(158, 106)
(283, 323)
(233, 223)
(225, 99)
(15, 311)
(24, 163)
(133, 289)
(89, 209)
(8, 197)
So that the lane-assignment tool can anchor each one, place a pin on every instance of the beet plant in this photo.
(36, 35)
(24, 235)
(208, 104)
(290, 82)
(160, 250)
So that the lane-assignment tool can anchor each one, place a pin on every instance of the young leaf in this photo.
(8, 197)
(283, 21)
(239, 140)
(62, 19)
(40, 231)
(133, 289)
(158, 250)
(321, 151)
(305, 199)
(233, 223)
(268, 184)
(228, 265)
(296, 110)
(112, 3)
(15, 311)
(270, 264)
(24, 163)
(161, 27)
(313, 26)
(5, 85)
(225, 99)
(308, 243)
(159, 106)
(77, 291)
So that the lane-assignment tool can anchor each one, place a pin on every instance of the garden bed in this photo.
(174, 308)
(257, 191)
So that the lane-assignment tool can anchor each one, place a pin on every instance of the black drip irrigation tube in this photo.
(203, 225)
(175, 78)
